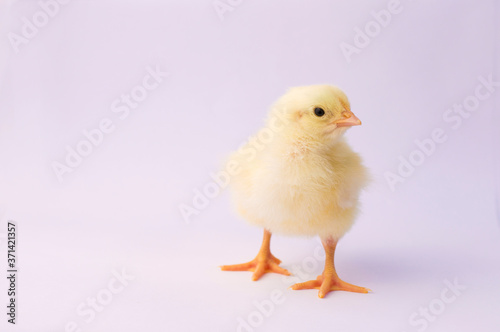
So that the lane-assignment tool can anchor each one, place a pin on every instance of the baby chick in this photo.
(298, 176)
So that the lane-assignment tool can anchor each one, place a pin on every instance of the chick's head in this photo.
(319, 112)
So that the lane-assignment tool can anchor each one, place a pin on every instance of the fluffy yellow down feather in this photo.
(306, 179)
(298, 176)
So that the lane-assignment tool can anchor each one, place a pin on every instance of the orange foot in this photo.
(328, 284)
(264, 263)
(329, 280)
(260, 265)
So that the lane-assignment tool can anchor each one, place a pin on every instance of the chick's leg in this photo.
(264, 262)
(329, 280)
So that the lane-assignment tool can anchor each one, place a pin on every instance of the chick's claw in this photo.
(329, 284)
(259, 266)
(265, 262)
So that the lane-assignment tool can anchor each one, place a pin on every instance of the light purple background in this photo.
(120, 207)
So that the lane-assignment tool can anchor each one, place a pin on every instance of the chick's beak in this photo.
(348, 120)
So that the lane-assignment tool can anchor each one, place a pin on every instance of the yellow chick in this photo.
(298, 176)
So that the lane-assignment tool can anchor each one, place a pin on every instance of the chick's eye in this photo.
(319, 111)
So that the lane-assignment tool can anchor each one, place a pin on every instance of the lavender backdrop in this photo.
(115, 117)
